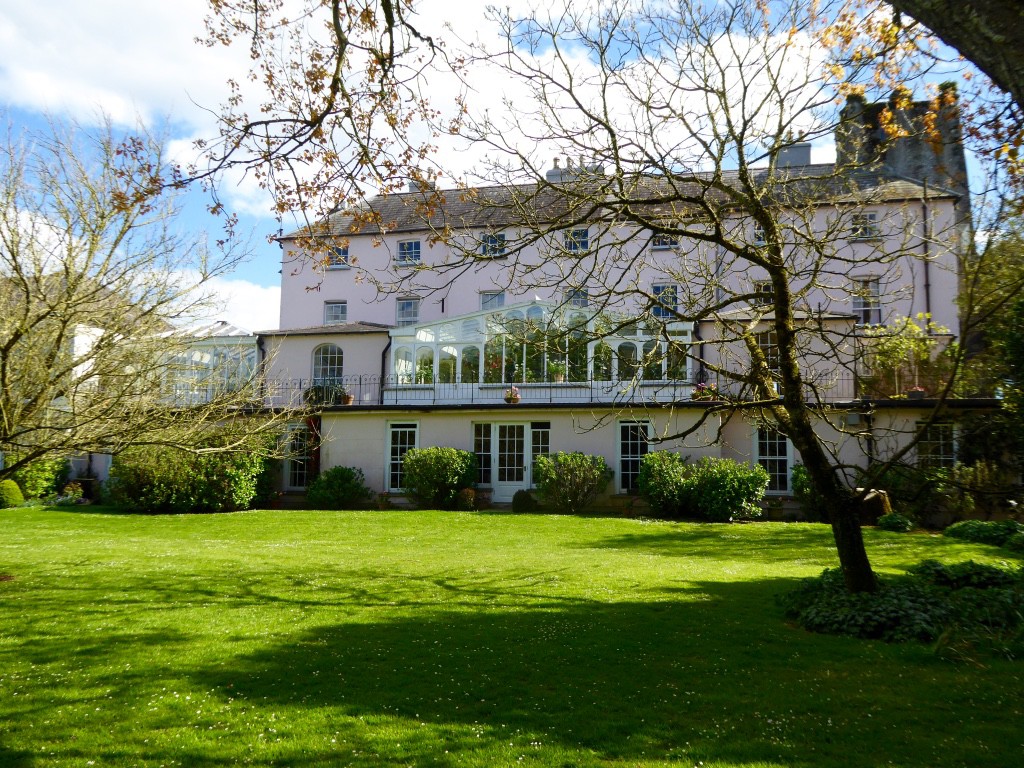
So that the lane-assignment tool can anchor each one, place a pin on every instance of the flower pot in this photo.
(558, 378)
(915, 394)
(348, 399)
(511, 399)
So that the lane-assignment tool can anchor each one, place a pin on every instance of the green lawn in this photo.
(448, 639)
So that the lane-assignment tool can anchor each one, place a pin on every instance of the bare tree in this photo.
(96, 288)
(334, 103)
(691, 123)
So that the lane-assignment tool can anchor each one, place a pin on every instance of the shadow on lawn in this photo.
(699, 680)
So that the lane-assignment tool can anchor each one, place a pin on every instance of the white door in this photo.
(509, 461)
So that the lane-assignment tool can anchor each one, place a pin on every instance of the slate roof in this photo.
(595, 196)
(341, 329)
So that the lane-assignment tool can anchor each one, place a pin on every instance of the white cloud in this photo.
(244, 303)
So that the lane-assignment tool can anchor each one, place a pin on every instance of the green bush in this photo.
(169, 481)
(523, 502)
(41, 477)
(433, 476)
(965, 574)
(570, 482)
(1015, 543)
(965, 607)
(811, 504)
(10, 494)
(721, 490)
(896, 523)
(898, 612)
(984, 531)
(661, 480)
(718, 490)
(339, 488)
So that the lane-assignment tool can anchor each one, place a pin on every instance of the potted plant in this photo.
(706, 392)
(916, 393)
(346, 397)
(512, 395)
(557, 370)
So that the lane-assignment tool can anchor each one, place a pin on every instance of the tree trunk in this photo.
(853, 557)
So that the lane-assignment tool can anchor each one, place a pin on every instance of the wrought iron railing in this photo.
(373, 390)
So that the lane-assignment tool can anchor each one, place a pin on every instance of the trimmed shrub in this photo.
(895, 523)
(169, 481)
(339, 488)
(984, 532)
(662, 477)
(523, 502)
(721, 490)
(10, 494)
(570, 482)
(433, 476)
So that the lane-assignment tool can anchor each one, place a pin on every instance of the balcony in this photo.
(374, 390)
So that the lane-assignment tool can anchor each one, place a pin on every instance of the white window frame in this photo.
(327, 364)
(492, 300)
(335, 305)
(663, 309)
(540, 445)
(622, 456)
(337, 257)
(758, 236)
(864, 226)
(663, 241)
(410, 253)
(577, 297)
(766, 287)
(492, 244)
(393, 462)
(786, 458)
(943, 446)
(407, 311)
(577, 240)
(768, 344)
(867, 300)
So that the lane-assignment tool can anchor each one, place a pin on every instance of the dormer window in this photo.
(492, 244)
(759, 238)
(577, 240)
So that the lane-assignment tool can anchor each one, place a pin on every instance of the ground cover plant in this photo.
(464, 639)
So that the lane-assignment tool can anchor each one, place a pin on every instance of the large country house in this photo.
(514, 321)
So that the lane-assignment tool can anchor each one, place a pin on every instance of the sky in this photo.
(137, 60)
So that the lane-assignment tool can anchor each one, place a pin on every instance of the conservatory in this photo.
(539, 352)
